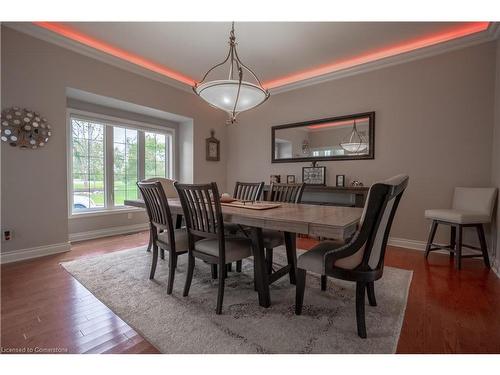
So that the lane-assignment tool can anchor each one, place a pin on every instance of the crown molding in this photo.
(490, 34)
(493, 32)
(51, 37)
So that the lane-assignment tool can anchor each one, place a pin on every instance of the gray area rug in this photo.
(176, 324)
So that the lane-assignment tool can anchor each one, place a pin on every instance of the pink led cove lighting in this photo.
(407, 46)
(337, 123)
(77, 36)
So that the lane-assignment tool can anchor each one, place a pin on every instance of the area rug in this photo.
(177, 324)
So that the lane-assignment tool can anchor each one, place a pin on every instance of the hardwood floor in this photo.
(44, 307)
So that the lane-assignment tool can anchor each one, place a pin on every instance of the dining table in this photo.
(333, 222)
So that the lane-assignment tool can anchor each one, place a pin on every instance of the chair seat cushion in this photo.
(181, 239)
(272, 238)
(457, 216)
(236, 248)
(313, 260)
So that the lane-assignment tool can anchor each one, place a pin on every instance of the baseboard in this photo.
(114, 231)
(34, 252)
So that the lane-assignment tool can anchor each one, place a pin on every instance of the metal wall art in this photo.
(24, 128)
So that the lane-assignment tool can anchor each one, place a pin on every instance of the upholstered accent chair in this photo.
(361, 259)
(206, 237)
(243, 191)
(164, 236)
(284, 193)
(472, 207)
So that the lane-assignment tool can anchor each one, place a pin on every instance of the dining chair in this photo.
(243, 191)
(205, 224)
(361, 259)
(472, 207)
(170, 192)
(165, 237)
(284, 193)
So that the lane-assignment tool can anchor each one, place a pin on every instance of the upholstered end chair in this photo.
(361, 259)
(472, 207)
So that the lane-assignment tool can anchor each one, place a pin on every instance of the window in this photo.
(156, 155)
(109, 156)
(88, 164)
(125, 158)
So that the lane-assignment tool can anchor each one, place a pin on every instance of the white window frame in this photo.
(109, 122)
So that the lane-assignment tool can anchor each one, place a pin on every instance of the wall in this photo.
(35, 74)
(433, 121)
(495, 167)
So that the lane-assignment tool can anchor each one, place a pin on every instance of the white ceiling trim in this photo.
(492, 33)
(61, 41)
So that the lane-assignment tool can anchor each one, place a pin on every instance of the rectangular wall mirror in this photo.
(349, 137)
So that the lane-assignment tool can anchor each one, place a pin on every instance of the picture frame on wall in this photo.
(275, 179)
(290, 179)
(314, 175)
(340, 180)
(212, 147)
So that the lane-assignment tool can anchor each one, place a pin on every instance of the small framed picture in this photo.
(314, 175)
(340, 180)
(290, 179)
(213, 148)
(275, 179)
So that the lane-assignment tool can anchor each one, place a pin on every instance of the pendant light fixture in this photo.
(356, 143)
(232, 95)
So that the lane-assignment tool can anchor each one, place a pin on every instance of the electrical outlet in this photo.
(7, 235)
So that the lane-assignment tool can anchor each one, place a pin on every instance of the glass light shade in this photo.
(222, 94)
(354, 146)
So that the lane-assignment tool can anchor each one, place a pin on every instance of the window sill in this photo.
(114, 211)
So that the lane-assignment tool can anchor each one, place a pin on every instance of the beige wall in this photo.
(35, 75)
(495, 167)
(433, 121)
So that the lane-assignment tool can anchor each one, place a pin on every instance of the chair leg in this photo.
(229, 267)
(484, 246)
(220, 294)
(299, 290)
(370, 290)
(150, 243)
(189, 276)
(224, 271)
(238, 266)
(458, 250)
(453, 239)
(171, 271)
(154, 262)
(214, 271)
(162, 254)
(269, 261)
(360, 309)
(432, 233)
(323, 282)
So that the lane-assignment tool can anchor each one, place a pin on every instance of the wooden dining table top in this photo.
(325, 221)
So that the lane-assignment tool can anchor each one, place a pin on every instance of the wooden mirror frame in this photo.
(371, 140)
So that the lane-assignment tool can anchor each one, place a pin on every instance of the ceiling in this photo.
(280, 53)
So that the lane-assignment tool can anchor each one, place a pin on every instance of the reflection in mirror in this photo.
(347, 137)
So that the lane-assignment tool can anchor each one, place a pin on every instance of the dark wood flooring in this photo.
(44, 307)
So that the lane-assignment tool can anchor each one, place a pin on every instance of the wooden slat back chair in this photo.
(164, 236)
(248, 191)
(362, 258)
(170, 192)
(206, 238)
(284, 193)
(243, 191)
